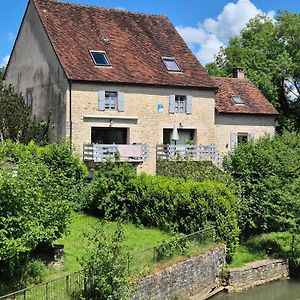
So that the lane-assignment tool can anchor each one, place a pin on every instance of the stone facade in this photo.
(197, 275)
(256, 125)
(144, 122)
(257, 273)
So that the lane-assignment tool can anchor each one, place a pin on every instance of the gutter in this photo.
(70, 112)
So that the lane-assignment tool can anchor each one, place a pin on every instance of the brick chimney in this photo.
(238, 72)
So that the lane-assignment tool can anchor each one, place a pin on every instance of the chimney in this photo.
(238, 72)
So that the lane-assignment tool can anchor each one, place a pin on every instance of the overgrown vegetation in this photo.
(16, 122)
(38, 189)
(268, 172)
(170, 204)
(105, 266)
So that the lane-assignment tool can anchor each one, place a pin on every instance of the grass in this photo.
(243, 255)
(138, 238)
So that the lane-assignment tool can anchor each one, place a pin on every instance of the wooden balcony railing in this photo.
(192, 152)
(99, 152)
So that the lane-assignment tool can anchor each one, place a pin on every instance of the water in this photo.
(278, 290)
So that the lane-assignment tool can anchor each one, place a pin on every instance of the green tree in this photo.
(34, 211)
(268, 172)
(1, 77)
(16, 122)
(105, 266)
(270, 53)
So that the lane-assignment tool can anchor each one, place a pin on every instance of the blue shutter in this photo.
(101, 100)
(172, 104)
(121, 101)
(233, 140)
(189, 104)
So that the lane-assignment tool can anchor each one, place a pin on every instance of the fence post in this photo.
(67, 284)
(47, 296)
(24, 295)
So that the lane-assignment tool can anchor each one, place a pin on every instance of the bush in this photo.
(268, 172)
(108, 191)
(193, 170)
(105, 266)
(170, 204)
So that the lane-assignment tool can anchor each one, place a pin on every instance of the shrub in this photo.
(108, 191)
(35, 210)
(268, 172)
(105, 266)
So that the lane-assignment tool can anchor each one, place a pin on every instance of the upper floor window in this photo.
(180, 104)
(171, 64)
(100, 58)
(111, 100)
(29, 98)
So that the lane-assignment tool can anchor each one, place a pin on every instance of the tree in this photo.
(270, 52)
(105, 266)
(1, 77)
(268, 172)
(16, 122)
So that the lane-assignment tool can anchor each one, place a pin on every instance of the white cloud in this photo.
(210, 35)
(4, 61)
(10, 36)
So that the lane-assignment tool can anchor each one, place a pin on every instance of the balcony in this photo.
(191, 152)
(100, 152)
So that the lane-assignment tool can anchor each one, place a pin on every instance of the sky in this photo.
(204, 24)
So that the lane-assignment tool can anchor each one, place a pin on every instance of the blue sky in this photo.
(204, 24)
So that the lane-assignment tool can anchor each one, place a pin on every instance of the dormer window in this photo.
(171, 64)
(237, 100)
(100, 58)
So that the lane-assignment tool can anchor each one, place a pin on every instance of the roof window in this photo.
(171, 64)
(100, 58)
(237, 100)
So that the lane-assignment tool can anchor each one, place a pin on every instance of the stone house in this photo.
(125, 85)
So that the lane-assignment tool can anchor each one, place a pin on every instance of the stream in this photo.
(278, 290)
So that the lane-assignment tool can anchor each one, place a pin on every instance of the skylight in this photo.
(100, 58)
(237, 100)
(171, 64)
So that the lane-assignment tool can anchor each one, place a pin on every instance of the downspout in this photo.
(70, 112)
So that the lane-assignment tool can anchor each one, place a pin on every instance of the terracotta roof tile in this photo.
(136, 44)
(254, 101)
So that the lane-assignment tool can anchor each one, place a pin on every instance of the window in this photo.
(237, 100)
(242, 138)
(29, 98)
(180, 104)
(171, 64)
(111, 99)
(100, 58)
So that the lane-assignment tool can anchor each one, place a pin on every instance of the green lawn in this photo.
(243, 255)
(75, 243)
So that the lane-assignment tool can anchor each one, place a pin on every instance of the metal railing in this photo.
(192, 152)
(180, 246)
(131, 153)
(63, 288)
(70, 287)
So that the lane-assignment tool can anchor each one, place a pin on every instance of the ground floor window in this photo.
(107, 135)
(242, 138)
(185, 136)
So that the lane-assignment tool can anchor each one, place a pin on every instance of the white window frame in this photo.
(105, 57)
(180, 104)
(163, 58)
(111, 103)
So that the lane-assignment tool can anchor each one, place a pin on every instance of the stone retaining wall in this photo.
(197, 275)
(257, 273)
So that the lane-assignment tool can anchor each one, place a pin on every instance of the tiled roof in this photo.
(254, 101)
(136, 44)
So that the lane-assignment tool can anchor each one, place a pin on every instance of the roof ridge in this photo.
(99, 7)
